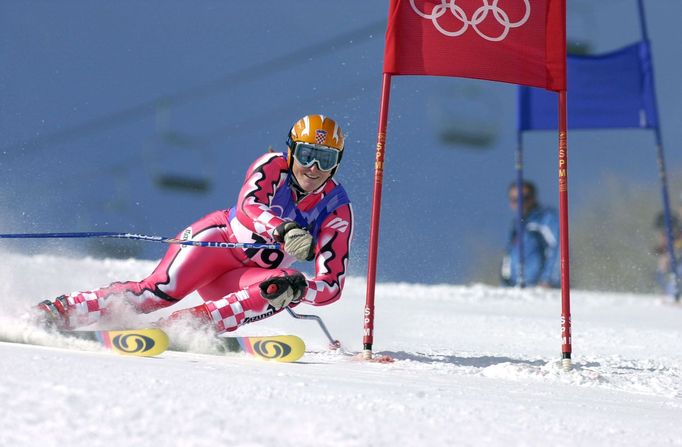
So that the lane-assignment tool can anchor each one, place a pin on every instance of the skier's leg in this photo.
(260, 293)
(182, 270)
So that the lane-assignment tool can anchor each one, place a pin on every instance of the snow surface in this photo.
(475, 365)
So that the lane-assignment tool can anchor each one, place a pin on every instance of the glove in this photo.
(280, 291)
(297, 241)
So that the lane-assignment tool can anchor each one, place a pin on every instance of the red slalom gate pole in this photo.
(566, 347)
(368, 337)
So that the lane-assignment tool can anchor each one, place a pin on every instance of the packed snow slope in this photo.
(474, 365)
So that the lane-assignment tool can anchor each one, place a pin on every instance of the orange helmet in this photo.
(318, 130)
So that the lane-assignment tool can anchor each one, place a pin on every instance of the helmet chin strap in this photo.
(296, 187)
(300, 193)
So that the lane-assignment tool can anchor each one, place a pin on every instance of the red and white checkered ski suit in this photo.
(228, 279)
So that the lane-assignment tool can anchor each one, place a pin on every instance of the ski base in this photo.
(136, 342)
(279, 348)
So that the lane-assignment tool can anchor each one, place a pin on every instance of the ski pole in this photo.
(334, 344)
(141, 237)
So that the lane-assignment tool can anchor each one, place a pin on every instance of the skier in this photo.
(540, 242)
(290, 198)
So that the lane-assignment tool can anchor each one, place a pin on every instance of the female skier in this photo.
(290, 198)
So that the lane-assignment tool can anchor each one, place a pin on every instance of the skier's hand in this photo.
(297, 241)
(281, 291)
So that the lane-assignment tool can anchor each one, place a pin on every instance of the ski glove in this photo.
(280, 291)
(297, 241)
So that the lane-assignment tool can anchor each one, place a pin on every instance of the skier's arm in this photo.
(331, 261)
(258, 190)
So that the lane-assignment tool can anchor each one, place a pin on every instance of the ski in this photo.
(150, 342)
(279, 348)
(147, 342)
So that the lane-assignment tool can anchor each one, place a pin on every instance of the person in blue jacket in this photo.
(540, 242)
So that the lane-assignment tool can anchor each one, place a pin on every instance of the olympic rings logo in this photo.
(478, 17)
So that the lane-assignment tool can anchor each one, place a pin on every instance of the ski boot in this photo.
(53, 314)
(195, 317)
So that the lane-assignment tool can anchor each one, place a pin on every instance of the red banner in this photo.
(516, 41)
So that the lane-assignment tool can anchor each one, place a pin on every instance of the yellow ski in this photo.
(138, 342)
(279, 348)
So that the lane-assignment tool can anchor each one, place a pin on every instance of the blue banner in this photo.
(612, 90)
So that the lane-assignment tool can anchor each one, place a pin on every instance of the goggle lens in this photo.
(307, 154)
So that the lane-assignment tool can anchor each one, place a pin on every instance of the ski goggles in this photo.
(307, 154)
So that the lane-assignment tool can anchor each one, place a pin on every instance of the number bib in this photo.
(284, 206)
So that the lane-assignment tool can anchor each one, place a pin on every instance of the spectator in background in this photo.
(540, 242)
(664, 274)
